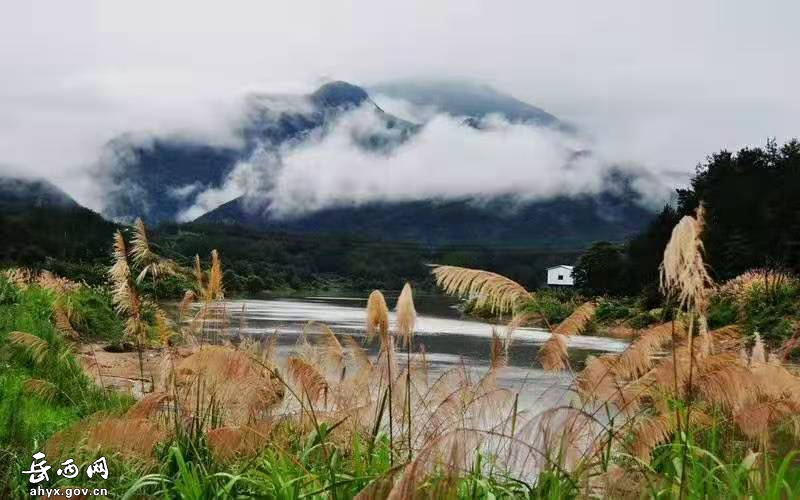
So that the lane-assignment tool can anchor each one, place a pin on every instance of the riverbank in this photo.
(380, 404)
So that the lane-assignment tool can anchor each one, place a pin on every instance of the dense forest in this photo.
(76, 243)
(752, 211)
(268, 261)
(46, 236)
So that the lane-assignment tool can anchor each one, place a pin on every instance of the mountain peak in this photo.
(468, 99)
(339, 94)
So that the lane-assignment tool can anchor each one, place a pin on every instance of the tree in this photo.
(603, 270)
(646, 250)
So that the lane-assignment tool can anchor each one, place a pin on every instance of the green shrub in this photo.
(553, 305)
(91, 273)
(92, 314)
(642, 320)
(609, 310)
(8, 292)
(767, 310)
(722, 311)
(32, 314)
(27, 419)
(166, 287)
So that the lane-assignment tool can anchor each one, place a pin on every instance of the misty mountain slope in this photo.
(560, 223)
(461, 98)
(164, 180)
(159, 179)
(38, 222)
(17, 193)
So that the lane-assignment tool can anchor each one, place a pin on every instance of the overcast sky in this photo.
(659, 83)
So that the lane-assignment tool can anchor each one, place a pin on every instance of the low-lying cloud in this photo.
(446, 159)
(660, 83)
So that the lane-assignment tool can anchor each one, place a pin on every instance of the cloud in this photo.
(254, 175)
(446, 159)
(404, 109)
(659, 84)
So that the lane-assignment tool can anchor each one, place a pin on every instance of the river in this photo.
(449, 339)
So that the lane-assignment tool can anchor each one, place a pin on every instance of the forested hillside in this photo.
(752, 211)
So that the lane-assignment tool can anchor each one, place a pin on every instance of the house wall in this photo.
(565, 272)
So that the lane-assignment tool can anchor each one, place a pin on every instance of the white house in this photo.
(560, 275)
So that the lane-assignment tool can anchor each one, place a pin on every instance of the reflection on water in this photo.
(449, 340)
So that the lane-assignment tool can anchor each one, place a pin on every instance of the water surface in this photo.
(449, 339)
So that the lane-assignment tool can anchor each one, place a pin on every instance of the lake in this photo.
(448, 337)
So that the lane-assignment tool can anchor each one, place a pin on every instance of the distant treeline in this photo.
(752, 203)
(31, 234)
(255, 260)
(76, 243)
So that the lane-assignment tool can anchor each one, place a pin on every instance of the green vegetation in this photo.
(682, 413)
(326, 421)
(752, 202)
(42, 387)
(689, 413)
(256, 261)
(552, 306)
(70, 241)
(262, 261)
(91, 314)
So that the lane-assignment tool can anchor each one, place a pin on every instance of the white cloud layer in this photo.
(446, 159)
(657, 84)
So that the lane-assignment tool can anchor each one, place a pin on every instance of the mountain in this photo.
(560, 223)
(39, 222)
(17, 192)
(160, 178)
(467, 99)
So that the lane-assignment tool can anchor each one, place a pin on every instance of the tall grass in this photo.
(684, 412)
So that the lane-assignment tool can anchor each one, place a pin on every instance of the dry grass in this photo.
(235, 442)
(488, 289)
(683, 270)
(20, 277)
(59, 286)
(230, 379)
(34, 346)
(63, 324)
(133, 438)
(668, 362)
(41, 389)
(553, 353)
(649, 432)
(740, 287)
(638, 358)
(309, 381)
(439, 427)
(358, 356)
(577, 321)
(498, 357)
(377, 316)
(406, 314)
(125, 294)
(332, 351)
(146, 259)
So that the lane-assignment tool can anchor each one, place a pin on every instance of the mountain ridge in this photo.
(162, 178)
(559, 223)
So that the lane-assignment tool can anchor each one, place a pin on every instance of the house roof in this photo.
(560, 265)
